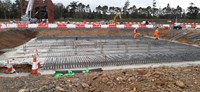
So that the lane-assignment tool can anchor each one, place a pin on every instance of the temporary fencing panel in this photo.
(42, 26)
(80, 25)
(128, 26)
(22, 26)
(120, 26)
(32, 25)
(135, 26)
(71, 26)
(11, 25)
(96, 26)
(52, 25)
(112, 26)
(61, 26)
(88, 26)
(104, 26)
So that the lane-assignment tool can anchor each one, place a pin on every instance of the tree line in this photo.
(9, 10)
(78, 10)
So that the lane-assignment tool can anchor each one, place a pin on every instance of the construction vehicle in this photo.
(114, 21)
(36, 11)
(27, 17)
(177, 26)
(145, 23)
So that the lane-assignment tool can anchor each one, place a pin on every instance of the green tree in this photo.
(73, 7)
(98, 12)
(59, 10)
(125, 9)
(167, 11)
(15, 10)
(193, 11)
(6, 6)
(66, 12)
(148, 11)
(126, 5)
(104, 10)
(178, 12)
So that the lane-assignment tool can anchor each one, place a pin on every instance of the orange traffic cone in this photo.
(34, 70)
(10, 69)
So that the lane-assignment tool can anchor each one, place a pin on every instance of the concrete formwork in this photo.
(84, 52)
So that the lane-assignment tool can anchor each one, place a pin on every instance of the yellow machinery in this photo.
(114, 19)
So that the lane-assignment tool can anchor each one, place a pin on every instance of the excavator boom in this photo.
(26, 18)
(115, 18)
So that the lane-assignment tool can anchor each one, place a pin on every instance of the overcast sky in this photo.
(139, 3)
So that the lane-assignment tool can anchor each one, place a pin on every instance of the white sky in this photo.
(139, 3)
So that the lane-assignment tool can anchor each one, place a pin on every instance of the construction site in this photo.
(41, 54)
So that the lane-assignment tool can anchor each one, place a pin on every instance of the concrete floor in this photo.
(83, 52)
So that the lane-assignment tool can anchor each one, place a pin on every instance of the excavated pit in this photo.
(82, 48)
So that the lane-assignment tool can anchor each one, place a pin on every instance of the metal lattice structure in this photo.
(89, 52)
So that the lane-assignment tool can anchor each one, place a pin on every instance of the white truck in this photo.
(177, 26)
(145, 23)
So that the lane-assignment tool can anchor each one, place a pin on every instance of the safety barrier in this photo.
(3, 26)
(198, 27)
(71, 26)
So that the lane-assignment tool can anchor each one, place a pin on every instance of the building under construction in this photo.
(42, 9)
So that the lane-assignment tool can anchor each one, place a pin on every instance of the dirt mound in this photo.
(197, 43)
(84, 32)
(164, 79)
(184, 40)
(13, 38)
(1, 52)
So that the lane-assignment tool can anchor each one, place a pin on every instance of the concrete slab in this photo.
(66, 52)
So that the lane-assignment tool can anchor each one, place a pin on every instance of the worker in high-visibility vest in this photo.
(135, 33)
(156, 34)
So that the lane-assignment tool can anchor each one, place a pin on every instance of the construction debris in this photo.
(170, 79)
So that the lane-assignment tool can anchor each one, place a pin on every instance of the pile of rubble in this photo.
(164, 79)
